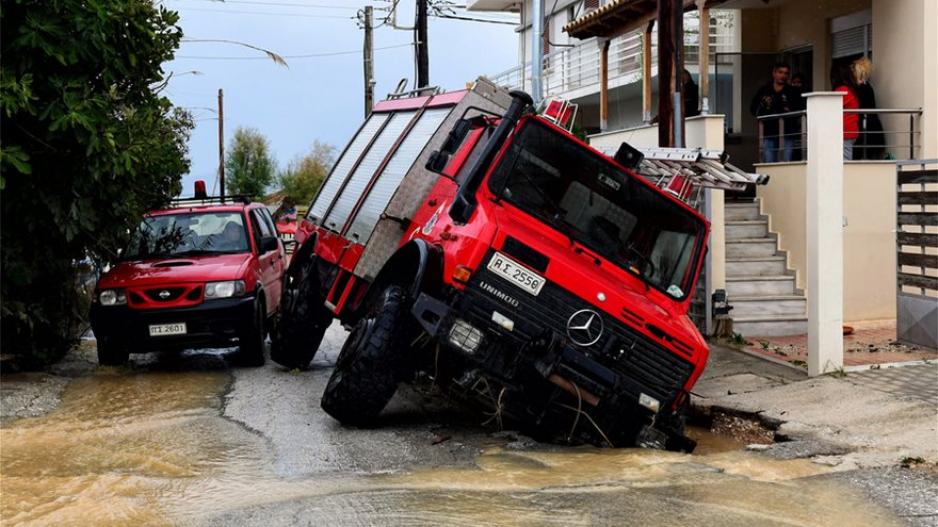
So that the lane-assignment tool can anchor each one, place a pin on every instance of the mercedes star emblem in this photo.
(164, 294)
(585, 327)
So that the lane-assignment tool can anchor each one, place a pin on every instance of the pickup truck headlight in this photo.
(112, 297)
(226, 289)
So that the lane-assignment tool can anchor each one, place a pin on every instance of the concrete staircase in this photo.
(759, 285)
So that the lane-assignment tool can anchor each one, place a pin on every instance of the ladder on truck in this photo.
(682, 172)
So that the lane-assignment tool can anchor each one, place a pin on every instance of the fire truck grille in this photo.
(646, 366)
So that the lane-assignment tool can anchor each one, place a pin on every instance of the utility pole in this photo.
(221, 142)
(537, 49)
(423, 55)
(369, 61)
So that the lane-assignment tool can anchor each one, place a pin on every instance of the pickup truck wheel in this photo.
(303, 319)
(111, 352)
(251, 342)
(367, 370)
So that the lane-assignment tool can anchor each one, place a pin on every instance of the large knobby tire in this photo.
(367, 371)
(112, 352)
(252, 342)
(303, 317)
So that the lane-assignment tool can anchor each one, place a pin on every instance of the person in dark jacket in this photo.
(691, 95)
(870, 143)
(774, 98)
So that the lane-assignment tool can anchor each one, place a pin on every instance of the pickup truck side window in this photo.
(261, 230)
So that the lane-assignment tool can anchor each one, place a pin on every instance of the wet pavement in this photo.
(189, 440)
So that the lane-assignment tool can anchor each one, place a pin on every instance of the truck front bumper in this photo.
(213, 323)
(537, 360)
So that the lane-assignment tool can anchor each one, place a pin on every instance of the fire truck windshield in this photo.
(598, 205)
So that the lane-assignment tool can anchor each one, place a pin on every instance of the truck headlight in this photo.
(112, 297)
(465, 336)
(226, 289)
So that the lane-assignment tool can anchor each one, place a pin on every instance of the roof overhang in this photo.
(619, 16)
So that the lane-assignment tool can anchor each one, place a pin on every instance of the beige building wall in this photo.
(869, 234)
(905, 58)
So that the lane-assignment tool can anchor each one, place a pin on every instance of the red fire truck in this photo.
(465, 238)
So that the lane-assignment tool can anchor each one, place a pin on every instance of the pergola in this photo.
(617, 17)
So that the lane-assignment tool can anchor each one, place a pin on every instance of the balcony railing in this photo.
(898, 138)
(573, 68)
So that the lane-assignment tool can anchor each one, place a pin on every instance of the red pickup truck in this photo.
(204, 272)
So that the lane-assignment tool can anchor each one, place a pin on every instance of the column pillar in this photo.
(825, 236)
(603, 85)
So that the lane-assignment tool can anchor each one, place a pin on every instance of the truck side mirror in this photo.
(440, 158)
(268, 244)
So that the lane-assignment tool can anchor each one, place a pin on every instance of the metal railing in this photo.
(568, 69)
(789, 142)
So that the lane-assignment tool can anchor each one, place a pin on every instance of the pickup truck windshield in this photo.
(600, 207)
(189, 234)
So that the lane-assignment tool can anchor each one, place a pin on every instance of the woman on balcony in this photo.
(842, 80)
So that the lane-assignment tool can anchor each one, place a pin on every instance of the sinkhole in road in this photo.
(153, 447)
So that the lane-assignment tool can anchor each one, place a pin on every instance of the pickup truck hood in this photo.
(136, 273)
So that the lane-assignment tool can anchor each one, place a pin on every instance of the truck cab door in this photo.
(269, 257)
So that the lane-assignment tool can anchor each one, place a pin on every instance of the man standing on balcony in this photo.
(775, 98)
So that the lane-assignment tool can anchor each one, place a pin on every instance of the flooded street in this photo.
(193, 442)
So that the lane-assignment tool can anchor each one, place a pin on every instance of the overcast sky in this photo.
(314, 98)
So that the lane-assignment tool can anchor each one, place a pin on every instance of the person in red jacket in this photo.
(842, 80)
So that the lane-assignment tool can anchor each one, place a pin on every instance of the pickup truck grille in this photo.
(647, 366)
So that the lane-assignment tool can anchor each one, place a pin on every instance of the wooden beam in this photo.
(918, 260)
(704, 50)
(665, 71)
(646, 73)
(604, 86)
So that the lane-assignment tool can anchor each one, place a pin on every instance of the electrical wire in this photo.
(304, 56)
(470, 19)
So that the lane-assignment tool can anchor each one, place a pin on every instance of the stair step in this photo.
(757, 285)
(756, 265)
(768, 305)
(745, 229)
(770, 326)
(751, 247)
(741, 211)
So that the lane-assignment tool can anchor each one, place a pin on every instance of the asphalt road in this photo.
(191, 440)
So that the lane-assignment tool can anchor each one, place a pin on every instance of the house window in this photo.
(852, 36)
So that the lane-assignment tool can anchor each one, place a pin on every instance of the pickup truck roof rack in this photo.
(210, 200)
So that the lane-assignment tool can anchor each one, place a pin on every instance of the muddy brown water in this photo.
(153, 448)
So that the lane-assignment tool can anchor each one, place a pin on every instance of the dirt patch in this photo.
(748, 430)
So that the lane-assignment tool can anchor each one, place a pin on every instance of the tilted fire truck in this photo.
(465, 238)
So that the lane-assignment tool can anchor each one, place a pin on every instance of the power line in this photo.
(304, 56)
(471, 19)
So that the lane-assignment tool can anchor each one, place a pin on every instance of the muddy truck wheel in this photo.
(303, 317)
(369, 365)
(251, 343)
(112, 352)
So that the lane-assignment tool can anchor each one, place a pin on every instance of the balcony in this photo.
(492, 5)
(574, 72)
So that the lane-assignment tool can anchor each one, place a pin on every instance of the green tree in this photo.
(89, 145)
(305, 174)
(249, 167)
